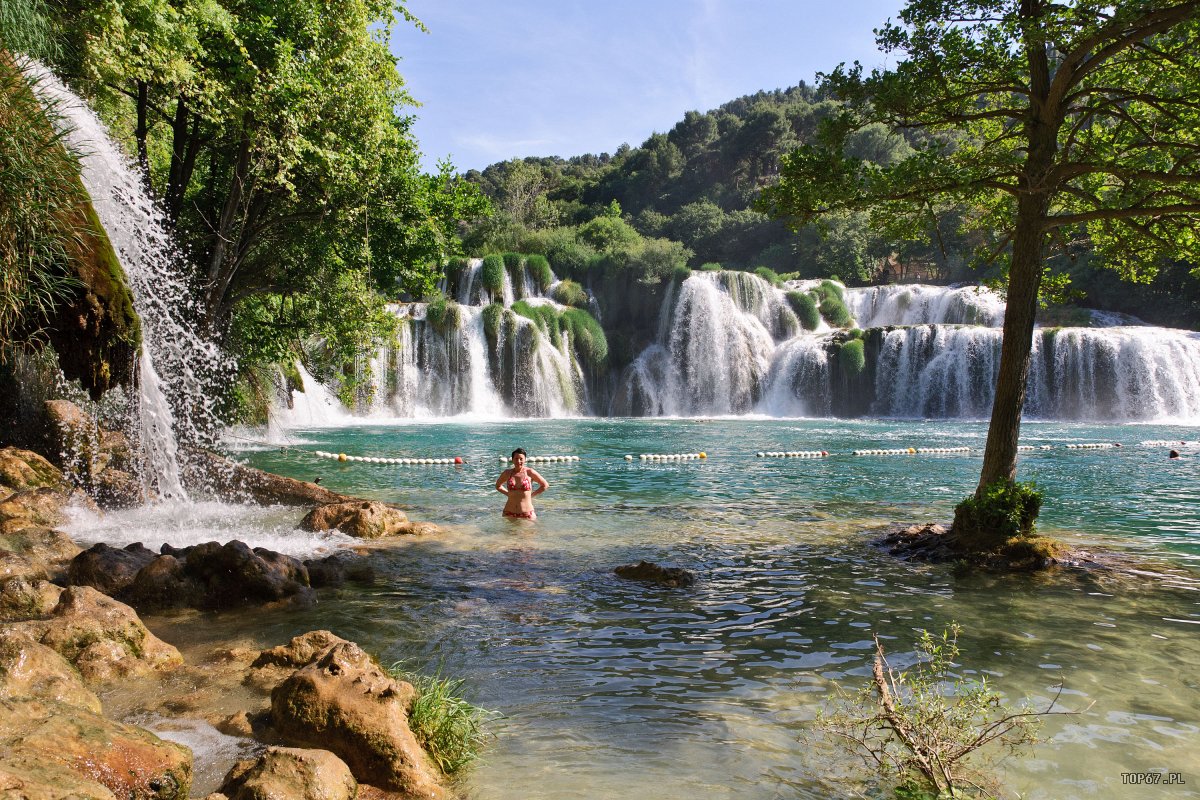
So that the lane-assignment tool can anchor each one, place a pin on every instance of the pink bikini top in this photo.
(521, 482)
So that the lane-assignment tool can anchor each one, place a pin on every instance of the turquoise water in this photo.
(605, 688)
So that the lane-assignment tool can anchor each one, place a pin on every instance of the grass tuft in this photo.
(449, 728)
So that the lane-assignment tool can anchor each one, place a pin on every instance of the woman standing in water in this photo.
(517, 485)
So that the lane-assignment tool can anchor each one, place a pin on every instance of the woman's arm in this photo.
(541, 480)
(500, 487)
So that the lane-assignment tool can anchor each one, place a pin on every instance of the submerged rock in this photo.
(345, 703)
(292, 773)
(649, 572)
(365, 519)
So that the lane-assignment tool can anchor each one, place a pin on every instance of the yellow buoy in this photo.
(341, 456)
(912, 450)
(704, 455)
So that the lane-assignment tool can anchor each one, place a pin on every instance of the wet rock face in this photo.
(52, 750)
(23, 599)
(25, 469)
(238, 483)
(649, 572)
(365, 519)
(345, 703)
(30, 669)
(292, 773)
(210, 575)
(33, 553)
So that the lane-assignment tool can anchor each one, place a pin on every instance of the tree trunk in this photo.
(142, 131)
(224, 236)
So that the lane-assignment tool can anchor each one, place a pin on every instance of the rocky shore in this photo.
(320, 717)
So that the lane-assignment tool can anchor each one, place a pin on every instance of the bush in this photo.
(444, 315)
(570, 293)
(511, 260)
(492, 314)
(851, 357)
(988, 520)
(711, 266)
(545, 316)
(586, 336)
(447, 726)
(805, 308)
(834, 312)
(769, 275)
(539, 267)
(493, 274)
(681, 273)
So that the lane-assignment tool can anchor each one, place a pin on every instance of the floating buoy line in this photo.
(380, 460)
(668, 456)
(791, 454)
(540, 459)
(1168, 443)
(1092, 445)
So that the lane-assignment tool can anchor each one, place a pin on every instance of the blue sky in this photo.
(499, 79)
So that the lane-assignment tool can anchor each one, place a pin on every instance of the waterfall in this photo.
(177, 364)
(915, 304)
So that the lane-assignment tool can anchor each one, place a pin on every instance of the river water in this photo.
(607, 688)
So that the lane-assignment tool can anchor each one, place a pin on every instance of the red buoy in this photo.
(458, 460)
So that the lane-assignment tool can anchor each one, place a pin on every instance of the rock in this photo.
(108, 569)
(236, 724)
(34, 553)
(649, 572)
(43, 741)
(30, 669)
(73, 437)
(366, 519)
(42, 780)
(22, 599)
(338, 568)
(345, 703)
(929, 542)
(114, 488)
(25, 469)
(32, 507)
(235, 482)
(301, 651)
(115, 445)
(287, 772)
(103, 638)
(164, 583)
(233, 574)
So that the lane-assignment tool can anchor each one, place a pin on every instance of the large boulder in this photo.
(345, 703)
(111, 570)
(25, 469)
(33, 553)
(30, 669)
(115, 489)
(292, 773)
(365, 519)
(42, 506)
(43, 742)
(164, 583)
(234, 575)
(103, 638)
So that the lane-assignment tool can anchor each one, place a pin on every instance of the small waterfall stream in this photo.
(177, 365)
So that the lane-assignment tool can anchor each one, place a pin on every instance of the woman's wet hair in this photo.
(520, 450)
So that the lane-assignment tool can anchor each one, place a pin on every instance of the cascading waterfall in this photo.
(914, 304)
(178, 406)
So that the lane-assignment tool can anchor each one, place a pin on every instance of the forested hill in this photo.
(696, 185)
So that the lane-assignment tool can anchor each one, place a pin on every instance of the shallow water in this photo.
(606, 688)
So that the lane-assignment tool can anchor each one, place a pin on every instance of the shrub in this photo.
(829, 289)
(493, 274)
(539, 267)
(1003, 510)
(511, 260)
(492, 314)
(570, 293)
(514, 263)
(920, 726)
(711, 266)
(805, 308)
(586, 336)
(447, 726)
(681, 273)
(769, 275)
(851, 357)
(544, 316)
(443, 315)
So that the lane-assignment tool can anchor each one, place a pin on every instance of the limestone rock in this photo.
(338, 568)
(41, 740)
(33, 552)
(25, 469)
(22, 599)
(29, 669)
(41, 780)
(292, 773)
(164, 583)
(345, 703)
(366, 519)
(110, 570)
(43, 506)
(103, 638)
(73, 436)
(233, 574)
(301, 651)
(649, 572)
(114, 488)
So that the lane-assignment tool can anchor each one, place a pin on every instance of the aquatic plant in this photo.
(834, 311)
(921, 726)
(851, 357)
(587, 337)
(449, 728)
(514, 263)
(806, 309)
(570, 293)
(769, 275)
(492, 274)
(491, 322)
(539, 267)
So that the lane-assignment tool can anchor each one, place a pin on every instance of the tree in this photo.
(1048, 121)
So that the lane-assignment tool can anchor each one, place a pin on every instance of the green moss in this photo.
(806, 309)
(491, 323)
(851, 357)
(492, 274)
(539, 268)
(444, 315)
(587, 337)
(834, 312)
(769, 275)
(711, 266)
(546, 317)
(570, 293)
(829, 289)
